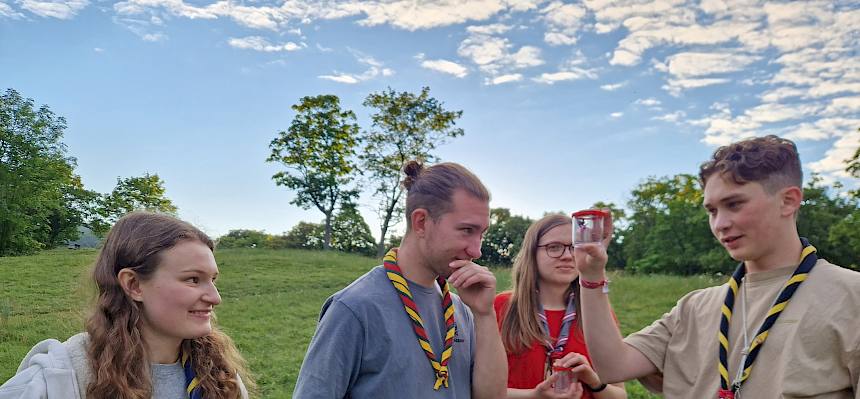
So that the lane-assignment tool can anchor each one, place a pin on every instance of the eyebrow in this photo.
(474, 226)
(732, 197)
(198, 271)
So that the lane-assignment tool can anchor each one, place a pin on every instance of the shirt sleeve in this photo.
(653, 340)
(332, 363)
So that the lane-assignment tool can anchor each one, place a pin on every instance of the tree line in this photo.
(43, 203)
(329, 160)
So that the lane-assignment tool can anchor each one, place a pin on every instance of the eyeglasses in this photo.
(556, 250)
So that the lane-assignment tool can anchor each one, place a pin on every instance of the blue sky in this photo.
(565, 103)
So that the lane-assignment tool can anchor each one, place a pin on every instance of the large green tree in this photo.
(145, 192)
(504, 237)
(318, 150)
(405, 126)
(668, 229)
(42, 201)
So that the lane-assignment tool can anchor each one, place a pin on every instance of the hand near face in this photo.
(475, 284)
(545, 390)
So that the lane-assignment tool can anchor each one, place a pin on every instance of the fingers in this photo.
(607, 228)
(467, 275)
(571, 359)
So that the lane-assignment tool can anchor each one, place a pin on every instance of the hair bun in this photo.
(412, 169)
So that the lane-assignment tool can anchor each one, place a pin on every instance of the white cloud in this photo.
(563, 22)
(259, 43)
(613, 86)
(98, 49)
(445, 66)
(495, 56)
(843, 148)
(616, 115)
(672, 117)
(676, 86)
(697, 64)
(6, 11)
(554, 77)
(648, 102)
(843, 105)
(514, 77)
(154, 37)
(375, 69)
(493, 29)
(341, 78)
(60, 9)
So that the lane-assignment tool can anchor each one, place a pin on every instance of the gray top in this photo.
(168, 381)
(365, 347)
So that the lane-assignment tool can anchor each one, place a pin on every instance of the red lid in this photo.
(560, 368)
(591, 212)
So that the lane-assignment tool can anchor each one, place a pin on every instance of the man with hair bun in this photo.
(784, 325)
(398, 331)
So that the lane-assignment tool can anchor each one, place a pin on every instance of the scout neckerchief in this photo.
(555, 351)
(808, 260)
(192, 383)
(440, 367)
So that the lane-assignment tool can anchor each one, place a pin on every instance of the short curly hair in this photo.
(770, 160)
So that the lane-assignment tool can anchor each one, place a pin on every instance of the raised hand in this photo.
(475, 284)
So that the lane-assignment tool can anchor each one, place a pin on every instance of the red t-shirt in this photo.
(526, 369)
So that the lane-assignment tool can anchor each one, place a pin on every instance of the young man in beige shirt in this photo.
(786, 319)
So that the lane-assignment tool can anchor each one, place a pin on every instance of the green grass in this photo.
(271, 300)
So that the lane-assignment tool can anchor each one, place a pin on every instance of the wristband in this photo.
(599, 388)
(595, 284)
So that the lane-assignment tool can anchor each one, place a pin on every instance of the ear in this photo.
(419, 218)
(130, 284)
(791, 199)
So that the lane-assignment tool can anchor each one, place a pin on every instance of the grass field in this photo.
(271, 300)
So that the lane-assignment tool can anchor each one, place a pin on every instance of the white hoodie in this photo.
(47, 372)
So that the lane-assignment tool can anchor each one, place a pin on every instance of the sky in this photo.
(564, 103)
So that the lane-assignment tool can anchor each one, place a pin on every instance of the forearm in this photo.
(612, 391)
(514, 393)
(490, 374)
(613, 360)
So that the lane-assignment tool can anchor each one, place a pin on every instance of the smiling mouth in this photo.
(200, 313)
(729, 240)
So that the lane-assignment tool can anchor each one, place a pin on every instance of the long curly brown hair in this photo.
(117, 351)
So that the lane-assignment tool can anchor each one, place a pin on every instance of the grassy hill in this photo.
(271, 300)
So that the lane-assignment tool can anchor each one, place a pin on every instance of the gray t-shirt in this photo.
(168, 381)
(365, 347)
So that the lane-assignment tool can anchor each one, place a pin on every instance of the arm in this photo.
(545, 390)
(476, 286)
(588, 377)
(334, 355)
(614, 360)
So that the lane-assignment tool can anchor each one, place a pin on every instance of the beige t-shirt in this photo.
(813, 349)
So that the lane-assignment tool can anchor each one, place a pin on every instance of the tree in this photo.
(853, 163)
(305, 236)
(146, 193)
(616, 246)
(351, 233)
(668, 229)
(242, 238)
(504, 237)
(41, 199)
(826, 218)
(317, 150)
(405, 126)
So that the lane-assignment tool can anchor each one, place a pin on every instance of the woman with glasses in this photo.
(539, 323)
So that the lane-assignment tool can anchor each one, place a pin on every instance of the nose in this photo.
(474, 249)
(720, 222)
(211, 295)
(566, 252)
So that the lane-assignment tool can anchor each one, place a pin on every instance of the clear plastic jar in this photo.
(588, 226)
(564, 380)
